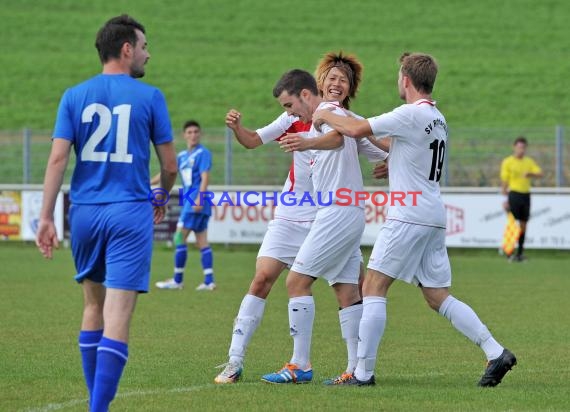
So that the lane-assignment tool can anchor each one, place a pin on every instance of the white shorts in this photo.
(283, 240)
(413, 253)
(332, 248)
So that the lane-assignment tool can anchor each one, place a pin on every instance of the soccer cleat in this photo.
(290, 373)
(350, 379)
(169, 284)
(231, 373)
(338, 380)
(208, 287)
(498, 368)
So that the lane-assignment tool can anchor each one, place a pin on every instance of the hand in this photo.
(197, 208)
(233, 119)
(380, 171)
(46, 238)
(506, 207)
(158, 214)
(319, 117)
(294, 142)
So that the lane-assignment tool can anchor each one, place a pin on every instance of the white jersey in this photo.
(373, 153)
(417, 152)
(338, 169)
(299, 178)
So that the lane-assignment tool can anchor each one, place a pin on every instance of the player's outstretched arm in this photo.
(246, 137)
(372, 151)
(382, 144)
(345, 125)
(295, 142)
(46, 238)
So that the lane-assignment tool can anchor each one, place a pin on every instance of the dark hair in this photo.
(191, 123)
(294, 81)
(116, 32)
(521, 139)
(421, 69)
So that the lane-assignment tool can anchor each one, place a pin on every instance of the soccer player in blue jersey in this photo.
(194, 166)
(110, 121)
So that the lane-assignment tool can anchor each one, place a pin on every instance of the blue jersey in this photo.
(191, 165)
(111, 121)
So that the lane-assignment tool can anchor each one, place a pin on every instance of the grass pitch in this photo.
(179, 336)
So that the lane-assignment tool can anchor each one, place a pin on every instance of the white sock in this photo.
(349, 318)
(301, 317)
(245, 324)
(371, 330)
(466, 321)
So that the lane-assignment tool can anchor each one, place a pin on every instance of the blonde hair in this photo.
(349, 64)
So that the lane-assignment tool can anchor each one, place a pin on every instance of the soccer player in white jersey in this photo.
(332, 247)
(418, 134)
(287, 231)
(338, 77)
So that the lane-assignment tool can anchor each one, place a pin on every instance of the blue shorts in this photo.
(198, 222)
(112, 244)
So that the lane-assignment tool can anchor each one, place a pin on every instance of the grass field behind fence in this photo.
(502, 65)
(178, 337)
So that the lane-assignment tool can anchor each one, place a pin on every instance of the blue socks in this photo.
(207, 264)
(180, 262)
(207, 259)
(112, 356)
(88, 343)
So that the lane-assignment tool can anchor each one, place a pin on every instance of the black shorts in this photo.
(519, 203)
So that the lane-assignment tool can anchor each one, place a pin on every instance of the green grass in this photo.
(177, 339)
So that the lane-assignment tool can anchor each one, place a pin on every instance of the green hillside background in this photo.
(502, 63)
(503, 69)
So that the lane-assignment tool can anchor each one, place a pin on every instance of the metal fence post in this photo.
(26, 146)
(228, 165)
(559, 156)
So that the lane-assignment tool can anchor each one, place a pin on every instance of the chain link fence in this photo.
(473, 157)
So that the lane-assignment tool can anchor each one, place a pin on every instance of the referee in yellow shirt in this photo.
(516, 172)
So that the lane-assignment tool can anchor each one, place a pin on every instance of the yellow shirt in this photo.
(513, 171)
